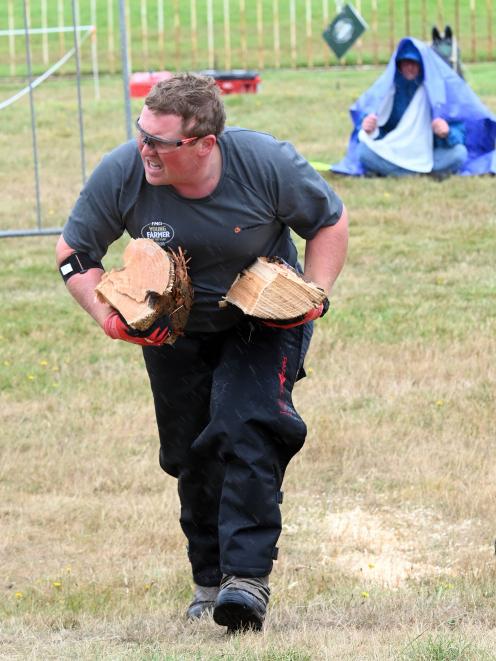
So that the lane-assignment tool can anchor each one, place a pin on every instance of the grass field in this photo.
(387, 549)
(243, 33)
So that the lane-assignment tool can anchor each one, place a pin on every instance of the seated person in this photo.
(414, 142)
(419, 117)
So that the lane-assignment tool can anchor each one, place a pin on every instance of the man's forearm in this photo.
(325, 254)
(82, 286)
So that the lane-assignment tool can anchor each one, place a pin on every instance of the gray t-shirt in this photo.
(265, 189)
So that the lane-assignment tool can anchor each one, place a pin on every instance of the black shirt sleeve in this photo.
(305, 201)
(97, 219)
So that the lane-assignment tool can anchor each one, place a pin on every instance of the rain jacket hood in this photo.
(450, 97)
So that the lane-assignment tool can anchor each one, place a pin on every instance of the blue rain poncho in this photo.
(449, 96)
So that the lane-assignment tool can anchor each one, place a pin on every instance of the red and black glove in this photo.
(311, 315)
(115, 327)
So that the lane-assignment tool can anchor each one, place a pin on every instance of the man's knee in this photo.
(375, 164)
(449, 159)
(366, 157)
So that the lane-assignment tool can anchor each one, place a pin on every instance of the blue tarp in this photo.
(450, 97)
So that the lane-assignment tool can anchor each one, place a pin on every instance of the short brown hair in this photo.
(194, 98)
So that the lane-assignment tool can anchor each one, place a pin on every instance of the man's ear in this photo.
(207, 143)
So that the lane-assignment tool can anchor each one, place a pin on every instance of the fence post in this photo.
(33, 115)
(423, 13)
(177, 35)
(242, 30)
(277, 34)
(407, 18)
(144, 32)
(110, 35)
(44, 37)
(325, 21)
(360, 41)
(160, 30)
(440, 13)
(391, 26)
(292, 28)
(489, 8)
(94, 51)
(210, 32)
(11, 23)
(125, 65)
(457, 20)
(227, 35)
(60, 22)
(308, 31)
(472, 31)
(194, 34)
(375, 42)
(260, 34)
(75, 23)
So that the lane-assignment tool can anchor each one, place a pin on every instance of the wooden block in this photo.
(140, 290)
(271, 289)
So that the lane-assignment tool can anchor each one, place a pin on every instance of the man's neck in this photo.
(206, 180)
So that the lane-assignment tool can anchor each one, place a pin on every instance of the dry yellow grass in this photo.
(383, 539)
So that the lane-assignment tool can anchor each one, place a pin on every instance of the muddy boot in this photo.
(242, 603)
(203, 602)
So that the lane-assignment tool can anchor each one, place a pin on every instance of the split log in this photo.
(271, 289)
(153, 282)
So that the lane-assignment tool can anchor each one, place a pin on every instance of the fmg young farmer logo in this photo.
(158, 231)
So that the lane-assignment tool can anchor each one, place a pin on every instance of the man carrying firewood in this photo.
(222, 392)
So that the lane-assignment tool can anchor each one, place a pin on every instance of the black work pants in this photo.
(228, 429)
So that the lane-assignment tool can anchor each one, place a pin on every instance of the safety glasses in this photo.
(160, 145)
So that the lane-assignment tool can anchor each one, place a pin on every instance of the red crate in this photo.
(237, 81)
(238, 86)
(229, 82)
(140, 83)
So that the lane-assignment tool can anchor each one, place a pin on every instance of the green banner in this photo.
(344, 30)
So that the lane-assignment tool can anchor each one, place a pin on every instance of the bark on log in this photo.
(271, 289)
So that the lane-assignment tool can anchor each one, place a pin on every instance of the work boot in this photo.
(242, 603)
(203, 602)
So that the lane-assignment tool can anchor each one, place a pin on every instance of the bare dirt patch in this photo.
(390, 547)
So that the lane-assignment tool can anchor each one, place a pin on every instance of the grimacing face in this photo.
(409, 69)
(169, 168)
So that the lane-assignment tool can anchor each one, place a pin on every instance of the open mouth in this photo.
(153, 165)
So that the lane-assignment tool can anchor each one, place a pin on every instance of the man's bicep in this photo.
(63, 250)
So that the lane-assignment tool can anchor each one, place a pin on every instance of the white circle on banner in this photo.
(343, 30)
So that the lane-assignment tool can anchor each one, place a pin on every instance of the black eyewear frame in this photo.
(151, 140)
